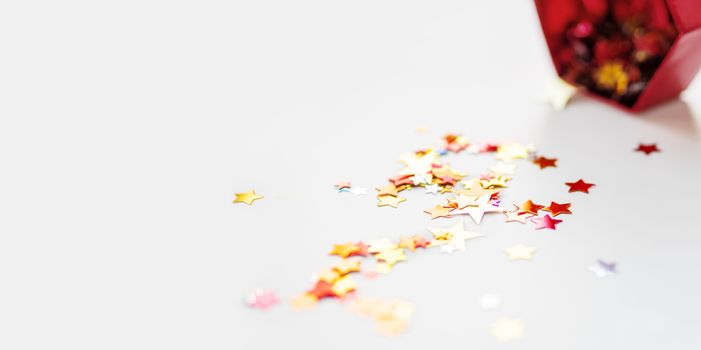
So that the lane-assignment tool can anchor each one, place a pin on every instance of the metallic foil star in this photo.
(418, 164)
(419, 179)
(529, 207)
(462, 201)
(380, 245)
(262, 299)
(545, 222)
(343, 185)
(477, 213)
(454, 236)
(520, 252)
(345, 267)
(359, 191)
(391, 256)
(247, 197)
(579, 186)
(433, 189)
(389, 201)
(557, 208)
(543, 162)
(507, 329)
(389, 190)
(413, 242)
(343, 286)
(439, 212)
(512, 216)
(647, 148)
(344, 250)
(603, 269)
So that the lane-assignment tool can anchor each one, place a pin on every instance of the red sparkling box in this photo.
(633, 54)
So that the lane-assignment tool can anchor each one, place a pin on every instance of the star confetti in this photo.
(647, 148)
(557, 208)
(262, 299)
(507, 329)
(455, 237)
(428, 172)
(477, 213)
(433, 189)
(516, 216)
(545, 222)
(389, 201)
(439, 212)
(358, 191)
(520, 252)
(247, 197)
(528, 207)
(579, 186)
(344, 250)
(603, 269)
(543, 162)
(343, 186)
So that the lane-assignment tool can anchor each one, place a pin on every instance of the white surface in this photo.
(126, 127)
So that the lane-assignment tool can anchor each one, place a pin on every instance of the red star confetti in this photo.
(557, 208)
(647, 148)
(543, 162)
(579, 186)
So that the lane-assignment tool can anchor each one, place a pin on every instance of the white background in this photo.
(127, 126)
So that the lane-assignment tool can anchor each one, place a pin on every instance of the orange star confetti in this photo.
(413, 242)
(344, 250)
(322, 290)
(529, 207)
(557, 208)
(647, 148)
(439, 212)
(389, 190)
(579, 186)
(543, 162)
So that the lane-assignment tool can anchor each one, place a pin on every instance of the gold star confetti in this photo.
(520, 252)
(389, 201)
(343, 286)
(247, 197)
(389, 190)
(507, 329)
(380, 245)
(344, 250)
(512, 216)
(347, 266)
(391, 256)
(439, 212)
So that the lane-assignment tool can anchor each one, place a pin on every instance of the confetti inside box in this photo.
(631, 53)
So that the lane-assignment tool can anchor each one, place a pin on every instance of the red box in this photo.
(676, 70)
